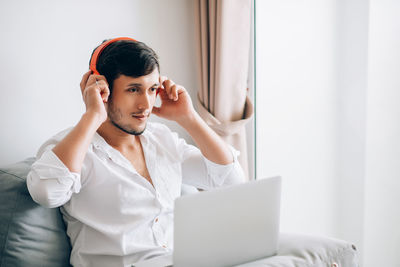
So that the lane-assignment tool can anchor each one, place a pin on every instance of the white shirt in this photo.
(114, 216)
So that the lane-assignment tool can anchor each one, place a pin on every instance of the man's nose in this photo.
(144, 102)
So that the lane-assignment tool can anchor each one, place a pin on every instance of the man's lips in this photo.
(140, 116)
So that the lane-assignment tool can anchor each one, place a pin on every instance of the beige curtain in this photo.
(224, 47)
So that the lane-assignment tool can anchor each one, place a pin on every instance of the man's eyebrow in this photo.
(141, 85)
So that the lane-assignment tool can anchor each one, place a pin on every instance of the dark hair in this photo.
(128, 58)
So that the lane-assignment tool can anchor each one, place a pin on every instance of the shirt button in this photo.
(156, 220)
(164, 246)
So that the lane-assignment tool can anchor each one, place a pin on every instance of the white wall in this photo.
(328, 118)
(45, 49)
(296, 119)
(351, 75)
(382, 184)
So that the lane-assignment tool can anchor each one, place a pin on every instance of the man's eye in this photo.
(133, 90)
(154, 89)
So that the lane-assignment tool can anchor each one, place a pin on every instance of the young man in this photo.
(114, 175)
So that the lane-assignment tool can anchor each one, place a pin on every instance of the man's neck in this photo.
(117, 138)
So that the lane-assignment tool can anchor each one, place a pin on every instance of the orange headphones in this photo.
(100, 48)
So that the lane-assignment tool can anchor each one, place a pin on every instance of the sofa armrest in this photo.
(297, 250)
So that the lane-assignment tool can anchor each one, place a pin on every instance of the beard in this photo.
(115, 116)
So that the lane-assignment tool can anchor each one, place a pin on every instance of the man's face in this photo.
(132, 101)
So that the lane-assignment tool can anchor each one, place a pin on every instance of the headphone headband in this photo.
(100, 48)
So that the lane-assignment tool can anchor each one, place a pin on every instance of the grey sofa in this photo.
(30, 235)
(34, 236)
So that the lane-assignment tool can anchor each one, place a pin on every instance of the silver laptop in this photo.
(225, 227)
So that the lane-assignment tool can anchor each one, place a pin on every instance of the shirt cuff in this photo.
(49, 166)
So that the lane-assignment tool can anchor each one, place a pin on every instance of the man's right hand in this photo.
(95, 94)
(71, 150)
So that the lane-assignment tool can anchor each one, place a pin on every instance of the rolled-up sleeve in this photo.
(202, 173)
(226, 174)
(50, 182)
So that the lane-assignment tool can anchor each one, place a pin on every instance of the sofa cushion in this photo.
(30, 235)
